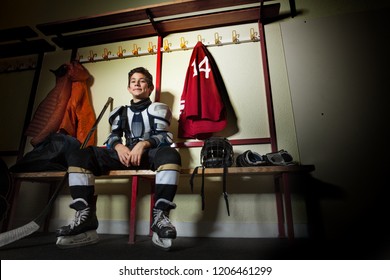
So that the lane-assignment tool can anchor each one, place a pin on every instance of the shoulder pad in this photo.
(114, 113)
(160, 111)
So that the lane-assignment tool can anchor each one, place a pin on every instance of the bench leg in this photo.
(152, 202)
(288, 205)
(49, 215)
(12, 200)
(279, 207)
(8, 221)
(133, 208)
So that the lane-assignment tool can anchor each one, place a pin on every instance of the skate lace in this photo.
(162, 219)
(80, 217)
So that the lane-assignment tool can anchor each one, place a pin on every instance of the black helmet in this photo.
(217, 152)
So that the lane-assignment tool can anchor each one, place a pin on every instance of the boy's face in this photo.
(138, 87)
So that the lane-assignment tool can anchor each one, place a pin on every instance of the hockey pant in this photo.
(86, 164)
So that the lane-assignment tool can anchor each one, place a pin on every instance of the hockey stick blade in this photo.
(28, 229)
(33, 226)
(18, 233)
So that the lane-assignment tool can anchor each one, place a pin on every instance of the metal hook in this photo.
(217, 38)
(106, 53)
(167, 46)
(92, 56)
(235, 37)
(183, 43)
(135, 49)
(151, 48)
(253, 35)
(78, 57)
(200, 39)
(120, 51)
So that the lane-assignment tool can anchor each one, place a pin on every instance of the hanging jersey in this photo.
(202, 111)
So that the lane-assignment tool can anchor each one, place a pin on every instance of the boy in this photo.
(145, 127)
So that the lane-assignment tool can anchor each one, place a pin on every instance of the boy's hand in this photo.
(137, 151)
(123, 154)
(131, 157)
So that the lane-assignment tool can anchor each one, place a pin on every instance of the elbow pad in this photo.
(113, 140)
(163, 139)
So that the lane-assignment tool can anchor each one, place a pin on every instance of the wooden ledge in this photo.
(259, 170)
(253, 170)
(55, 175)
(131, 16)
(157, 20)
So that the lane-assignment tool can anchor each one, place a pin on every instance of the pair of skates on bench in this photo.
(82, 230)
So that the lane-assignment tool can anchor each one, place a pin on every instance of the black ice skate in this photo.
(163, 230)
(82, 230)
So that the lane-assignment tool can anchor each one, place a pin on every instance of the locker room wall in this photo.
(337, 75)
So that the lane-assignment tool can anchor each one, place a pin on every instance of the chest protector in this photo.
(144, 124)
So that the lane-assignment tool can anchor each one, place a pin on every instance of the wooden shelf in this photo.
(25, 48)
(159, 20)
(18, 33)
(139, 14)
(155, 20)
(21, 41)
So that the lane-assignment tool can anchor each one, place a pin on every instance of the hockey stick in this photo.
(33, 226)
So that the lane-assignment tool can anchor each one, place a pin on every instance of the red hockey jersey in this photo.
(202, 111)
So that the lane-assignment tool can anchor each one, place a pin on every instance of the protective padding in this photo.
(161, 115)
(281, 157)
(250, 158)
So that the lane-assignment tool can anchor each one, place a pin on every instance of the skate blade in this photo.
(162, 243)
(82, 239)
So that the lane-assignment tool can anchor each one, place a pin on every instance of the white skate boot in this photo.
(163, 230)
(82, 230)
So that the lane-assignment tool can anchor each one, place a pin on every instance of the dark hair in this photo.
(142, 70)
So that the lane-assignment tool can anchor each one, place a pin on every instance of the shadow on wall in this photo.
(337, 69)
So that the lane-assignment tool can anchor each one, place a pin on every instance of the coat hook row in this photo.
(167, 47)
(18, 65)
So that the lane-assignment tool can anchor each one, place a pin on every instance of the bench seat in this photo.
(281, 178)
(260, 170)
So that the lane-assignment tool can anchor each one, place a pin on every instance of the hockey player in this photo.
(145, 127)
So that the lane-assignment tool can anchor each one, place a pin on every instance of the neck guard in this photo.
(140, 106)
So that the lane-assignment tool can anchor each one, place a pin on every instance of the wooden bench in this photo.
(281, 176)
